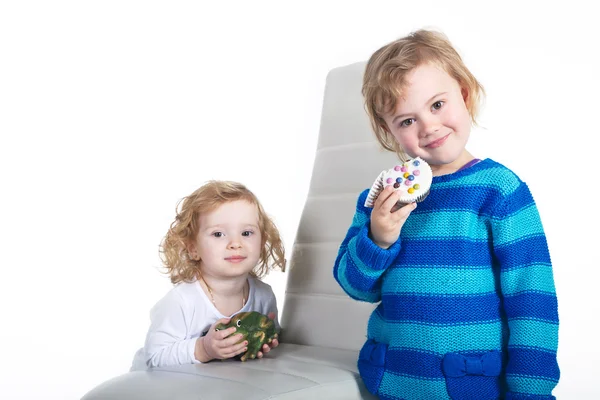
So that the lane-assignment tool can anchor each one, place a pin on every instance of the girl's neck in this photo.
(445, 169)
(228, 295)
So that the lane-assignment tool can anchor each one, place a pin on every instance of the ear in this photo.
(384, 126)
(465, 94)
(192, 251)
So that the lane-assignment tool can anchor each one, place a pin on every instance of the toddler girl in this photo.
(218, 247)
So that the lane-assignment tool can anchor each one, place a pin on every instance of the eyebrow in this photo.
(208, 228)
(427, 102)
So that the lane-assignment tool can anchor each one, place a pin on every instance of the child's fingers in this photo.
(404, 211)
(233, 341)
(382, 197)
(274, 343)
(225, 333)
(389, 199)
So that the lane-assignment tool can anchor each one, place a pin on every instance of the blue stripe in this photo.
(451, 309)
(445, 252)
(416, 363)
(440, 339)
(533, 363)
(531, 250)
(478, 199)
(532, 305)
(514, 202)
(438, 281)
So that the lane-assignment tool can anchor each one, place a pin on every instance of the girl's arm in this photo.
(360, 262)
(529, 295)
(166, 342)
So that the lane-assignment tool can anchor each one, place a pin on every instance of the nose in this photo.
(429, 126)
(234, 244)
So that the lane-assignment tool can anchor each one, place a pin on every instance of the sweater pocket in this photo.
(473, 377)
(371, 364)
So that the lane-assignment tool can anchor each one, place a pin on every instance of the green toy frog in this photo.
(255, 327)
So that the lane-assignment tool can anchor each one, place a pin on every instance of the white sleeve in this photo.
(167, 342)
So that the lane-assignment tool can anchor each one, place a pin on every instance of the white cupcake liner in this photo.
(375, 190)
(379, 185)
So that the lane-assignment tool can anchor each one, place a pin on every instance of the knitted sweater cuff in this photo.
(525, 396)
(371, 254)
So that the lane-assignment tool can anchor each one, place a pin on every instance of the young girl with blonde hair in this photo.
(218, 247)
(467, 305)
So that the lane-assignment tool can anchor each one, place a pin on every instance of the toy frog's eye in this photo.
(239, 323)
(217, 329)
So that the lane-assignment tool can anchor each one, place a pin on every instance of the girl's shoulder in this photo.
(486, 173)
(183, 293)
(259, 286)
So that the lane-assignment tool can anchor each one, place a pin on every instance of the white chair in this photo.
(322, 328)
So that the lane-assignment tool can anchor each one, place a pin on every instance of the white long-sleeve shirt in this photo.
(183, 315)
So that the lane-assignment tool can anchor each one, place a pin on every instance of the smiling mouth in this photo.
(235, 259)
(437, 143)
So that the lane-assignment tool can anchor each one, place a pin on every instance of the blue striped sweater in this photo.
(467, 308)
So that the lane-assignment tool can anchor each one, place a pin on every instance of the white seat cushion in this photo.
(291, 372)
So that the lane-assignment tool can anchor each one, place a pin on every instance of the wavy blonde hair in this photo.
(184, 229)
(385, 78)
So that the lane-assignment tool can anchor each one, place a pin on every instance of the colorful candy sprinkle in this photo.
(389, 181)
(416, 172)
(406, 175)
(416, 163)
(411, 190)
(396, 185)
(417, 186)
(411, 178)
(397, 168)
(399, 180)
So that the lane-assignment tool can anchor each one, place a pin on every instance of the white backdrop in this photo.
(112, 111)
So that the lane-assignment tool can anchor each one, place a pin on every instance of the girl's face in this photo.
(431, 120)
(228, 240)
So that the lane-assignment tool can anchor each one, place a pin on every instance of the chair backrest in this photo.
(316, 310)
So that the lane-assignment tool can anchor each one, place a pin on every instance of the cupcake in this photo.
(411, 179)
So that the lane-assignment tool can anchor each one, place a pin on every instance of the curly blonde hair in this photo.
(385, 78)
(184, 229)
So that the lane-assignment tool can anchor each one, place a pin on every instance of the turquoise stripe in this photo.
(490, 177)
(439, 281)
(448, 225)
(366, 270)
(523, 224)
(521, 384)
(537, 277)
(359, 220)
(351, 290)
(437, 339)
(403, 387)
(533, 333)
